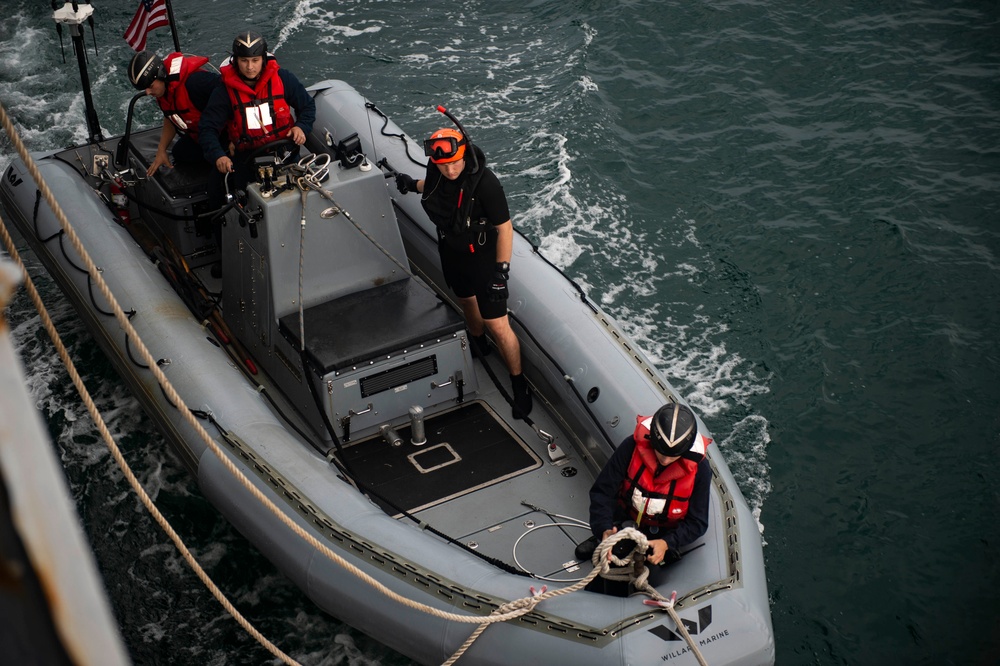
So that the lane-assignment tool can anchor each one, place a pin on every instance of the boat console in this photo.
(316, 286)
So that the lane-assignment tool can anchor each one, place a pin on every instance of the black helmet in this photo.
(672, 430)
(249, 44)
(145, 68)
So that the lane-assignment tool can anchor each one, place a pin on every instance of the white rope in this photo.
(668, 605)
(632, 568)
(102, 426)
(302, 255)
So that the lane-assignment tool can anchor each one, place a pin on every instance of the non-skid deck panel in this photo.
(371, 323)
(467, 448)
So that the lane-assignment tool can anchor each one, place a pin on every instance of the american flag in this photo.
(152, 14)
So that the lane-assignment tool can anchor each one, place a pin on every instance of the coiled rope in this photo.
(632, 568)
(603, 558)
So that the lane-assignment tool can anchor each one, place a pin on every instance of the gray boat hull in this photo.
(571, 350)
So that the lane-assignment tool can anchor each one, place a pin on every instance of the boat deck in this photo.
(466, 449)
(478, 477)
(500, 501)
(485, 480)
(482, 478)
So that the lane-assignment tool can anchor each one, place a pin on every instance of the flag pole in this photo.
(173, 25)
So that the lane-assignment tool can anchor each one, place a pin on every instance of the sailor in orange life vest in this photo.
(465, 201)
(264, 96)
(659, 479)
(181, 88)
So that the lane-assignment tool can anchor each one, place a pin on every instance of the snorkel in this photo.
(468, 141)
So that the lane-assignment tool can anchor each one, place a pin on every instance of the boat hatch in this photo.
(467, 448)
(371, 324)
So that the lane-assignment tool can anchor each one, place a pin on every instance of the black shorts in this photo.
(470, 274)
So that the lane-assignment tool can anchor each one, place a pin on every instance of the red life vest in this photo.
(176, 104)
(661, 500)
(260, 115)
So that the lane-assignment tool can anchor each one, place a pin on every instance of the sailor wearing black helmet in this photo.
(181, 88)
(658, 479)
(466, 202)
(254, 106)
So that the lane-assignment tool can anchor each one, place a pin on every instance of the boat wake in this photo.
(746, 454)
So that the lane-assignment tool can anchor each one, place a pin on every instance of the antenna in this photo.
(74, 14)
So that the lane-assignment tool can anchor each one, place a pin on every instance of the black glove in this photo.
(498, 287)
(405, 183)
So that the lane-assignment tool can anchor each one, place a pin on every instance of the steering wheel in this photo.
(274, 147)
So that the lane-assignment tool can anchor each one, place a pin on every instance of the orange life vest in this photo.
(176, 104)
(260, 115)
(659, 499)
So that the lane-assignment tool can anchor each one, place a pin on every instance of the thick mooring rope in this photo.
(106, 434)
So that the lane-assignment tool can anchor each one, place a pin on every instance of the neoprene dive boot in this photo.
(521, 396)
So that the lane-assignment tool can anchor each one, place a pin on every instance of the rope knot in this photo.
(604, 555)
(527, 604)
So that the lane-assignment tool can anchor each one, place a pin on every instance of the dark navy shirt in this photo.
(200, 86)
(218, 111)
(605, 511)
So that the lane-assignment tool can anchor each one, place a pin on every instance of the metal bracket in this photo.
(345, 425)
(100, 163)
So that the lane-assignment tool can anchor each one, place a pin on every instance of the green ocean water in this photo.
(793, 207)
